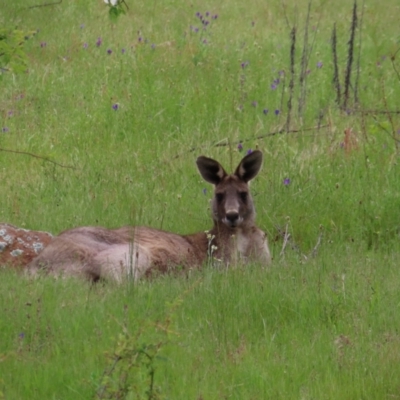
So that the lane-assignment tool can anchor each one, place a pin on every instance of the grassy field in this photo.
(118, 111)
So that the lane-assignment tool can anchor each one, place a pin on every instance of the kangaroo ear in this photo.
(210, 170)
(250, 166)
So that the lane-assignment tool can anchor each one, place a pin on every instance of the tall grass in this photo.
(126, 119)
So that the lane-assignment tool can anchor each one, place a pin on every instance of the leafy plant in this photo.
(116, 8)
(134, 361)
(12, 53)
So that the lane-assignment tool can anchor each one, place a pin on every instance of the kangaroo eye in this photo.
(243, 196)
(219, 197)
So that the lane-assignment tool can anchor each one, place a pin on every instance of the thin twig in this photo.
(315, 249)
(291, 83)
(36, 156)
(392, 59)
(220, 143)
(350, 56)
(380, 112)
(286, 237)
(336, 79)
(359, 55)
(397, 141)
(304, 64)
(45, 4)
(285, 14)
(390, 117)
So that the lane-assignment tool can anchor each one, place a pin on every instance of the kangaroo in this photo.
(97, 253)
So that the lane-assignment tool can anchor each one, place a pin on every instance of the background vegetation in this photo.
(118, 110)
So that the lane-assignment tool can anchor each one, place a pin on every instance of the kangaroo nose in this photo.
(232, 216)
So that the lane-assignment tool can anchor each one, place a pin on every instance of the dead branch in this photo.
(36, 156)
(45, 4)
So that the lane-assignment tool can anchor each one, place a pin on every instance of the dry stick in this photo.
(364, 127)
(359, 55)
(390, 117)
(220, 143)
(392, 59)
(283, 91)
(380, 112)
(291, 83)
(315, 249)
(286, 237)
(397, 141)
(126, 5)
(303, 65)
(284, 12)
(36, 156)
(350, 56)
(336, 80)
(45, 4)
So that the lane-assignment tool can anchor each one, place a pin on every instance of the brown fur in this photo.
(96, 252)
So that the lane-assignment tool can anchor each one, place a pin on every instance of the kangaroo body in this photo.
(95, 252)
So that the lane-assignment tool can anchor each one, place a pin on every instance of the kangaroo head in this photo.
(232, 204)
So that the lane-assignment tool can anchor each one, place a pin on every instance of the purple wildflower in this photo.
(85, 45)
(249, 151)
(205, 41)
(109, 51)
(5, 129)
(281, 72)
(240, 147)
(319, 64)
(10, 113)
(99, 42)
(273, 86)
(286, 181)
(276, 81)
(43, 44)
(277, 112)
(123, 51)
(204, 191)
(265, 111)
(207, 13)
(244, 64)
(254, 103)
(21, 335)
(198, 14)
(115, 106)
(214, 16)
(140, 39)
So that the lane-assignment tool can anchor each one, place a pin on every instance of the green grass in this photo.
(321, 328)
(324, 329)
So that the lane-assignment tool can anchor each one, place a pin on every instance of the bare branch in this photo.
(36, 156)
(45, 4)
